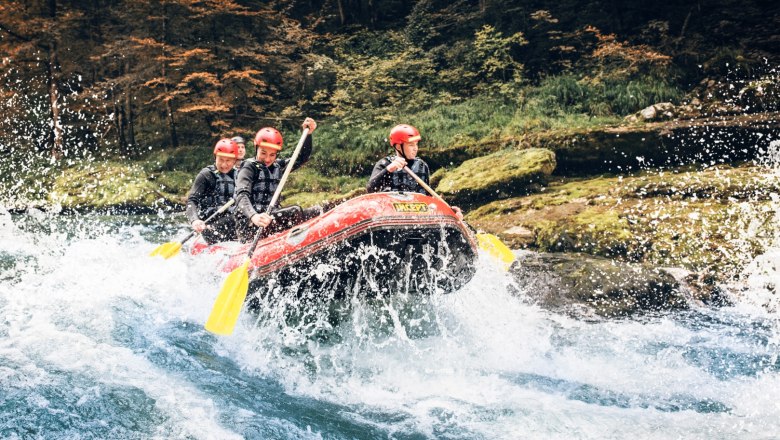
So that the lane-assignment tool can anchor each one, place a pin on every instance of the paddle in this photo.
(167, 250)
(487, 242)
(230, 300)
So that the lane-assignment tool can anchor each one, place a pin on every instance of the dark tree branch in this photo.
(14, 34)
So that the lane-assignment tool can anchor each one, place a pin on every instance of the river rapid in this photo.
(98, 340)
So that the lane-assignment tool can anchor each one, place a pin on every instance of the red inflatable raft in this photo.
(382, 243)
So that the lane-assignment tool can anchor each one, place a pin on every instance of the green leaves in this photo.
(493, 56)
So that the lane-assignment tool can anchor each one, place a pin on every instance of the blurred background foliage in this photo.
(157, 80)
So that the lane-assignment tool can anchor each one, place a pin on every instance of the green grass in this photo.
(351, 146)
(343, 148)
(108, 184)
(307, 187)
(567, 94)
(187, 159)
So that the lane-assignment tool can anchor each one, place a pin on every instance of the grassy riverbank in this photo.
(712, 219)
(648, 191)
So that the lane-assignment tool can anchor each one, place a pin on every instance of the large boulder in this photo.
(502, 174)
(711, 220)
(592, 286)
(723, 139)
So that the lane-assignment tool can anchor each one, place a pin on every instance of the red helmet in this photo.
(226, 148)
(403, 133)
(270, 138)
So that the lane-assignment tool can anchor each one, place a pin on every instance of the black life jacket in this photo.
(265, 185)
(402, 181)
(222, 191)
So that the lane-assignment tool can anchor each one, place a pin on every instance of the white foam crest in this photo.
(12, 240)
(61, 316)
(761, 277)
(489, 362)
(486, 367)
(50, 349)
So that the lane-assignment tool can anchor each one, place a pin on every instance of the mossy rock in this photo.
(594, 230)
(672, 143)
(436, 177)
(706, 221)
(453, 155)
(174, 182)
(188, 159)
(108, 185)
(592, 286)
(499, 175)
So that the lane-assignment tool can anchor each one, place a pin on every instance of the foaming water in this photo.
(761, 278)
(101, 341)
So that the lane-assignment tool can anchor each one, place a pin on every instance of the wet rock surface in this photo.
(705, 220)
(498, 175)
(591, 286)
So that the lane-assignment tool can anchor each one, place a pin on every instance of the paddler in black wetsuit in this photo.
(213, 187)
(257, 180)
(388, 173)
(241, 151)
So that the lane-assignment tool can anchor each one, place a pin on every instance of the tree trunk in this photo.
(129, 114)
(174, 138)
(340, 4)
(685, 25)
(617, 17)
(168, 105)
(372, 12)
(52, 79)
(55, 141)
(119, 121)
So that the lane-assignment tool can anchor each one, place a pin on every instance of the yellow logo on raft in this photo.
(411, 207)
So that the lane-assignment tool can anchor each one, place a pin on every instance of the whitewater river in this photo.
(97, 340)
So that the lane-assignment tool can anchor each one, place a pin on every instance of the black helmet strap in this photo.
(401, 150)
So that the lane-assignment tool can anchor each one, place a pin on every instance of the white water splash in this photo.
(95, 315)
(762, 274)
(499, 367)
(59, 317)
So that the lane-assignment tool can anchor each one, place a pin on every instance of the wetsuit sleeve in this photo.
(303, 157)
(200, 189)
(243, 196)
(378, 177)
(425, 175)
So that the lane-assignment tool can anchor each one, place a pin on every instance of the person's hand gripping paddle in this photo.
(171, 248)
(230, 300)
(487, 242)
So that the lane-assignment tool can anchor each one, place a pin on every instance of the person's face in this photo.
(241, 151)
(410, 149)
(224, 164)
(266, 155)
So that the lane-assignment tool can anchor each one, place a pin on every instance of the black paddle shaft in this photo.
(210, 218)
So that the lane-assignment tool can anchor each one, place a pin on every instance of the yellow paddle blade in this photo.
(166, 250)
(496, 248)
(229, 302)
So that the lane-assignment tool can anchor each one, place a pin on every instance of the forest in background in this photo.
(125, 79)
